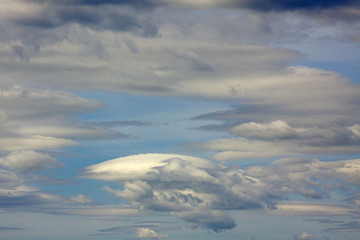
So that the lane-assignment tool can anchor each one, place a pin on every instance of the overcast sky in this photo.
(179, 119)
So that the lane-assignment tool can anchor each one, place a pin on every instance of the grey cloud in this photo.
(25, 161)
(268, 5)
(212, 220)
(272, 5)
(103, 17)
(349, 226)
(24, 52)
(261, 5)
(196, 62)
(131, 45)
(20, 102)
(183, 185)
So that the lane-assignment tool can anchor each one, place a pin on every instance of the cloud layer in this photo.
(267, 61)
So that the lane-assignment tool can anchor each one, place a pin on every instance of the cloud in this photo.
(20, 102)
(308, 236)
(138, 167)
(213, 220)
(349, 226)
(149, 233)
(117, 17)
(197, 190)
(196, 62)
(273, 130)
(25, 161)
(15, 195)
(296, 208)
(179, 184)
(304, 235)
(98, 211)
(72, 132)
(82, 199)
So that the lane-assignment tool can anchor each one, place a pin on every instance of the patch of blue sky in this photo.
(340, 57)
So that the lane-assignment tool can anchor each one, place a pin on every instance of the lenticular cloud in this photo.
(199, 191)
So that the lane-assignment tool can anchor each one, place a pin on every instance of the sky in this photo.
(159, 119)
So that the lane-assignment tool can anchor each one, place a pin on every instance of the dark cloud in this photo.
(285, 5)
(212, 220)
(120, 17)
(136, 3)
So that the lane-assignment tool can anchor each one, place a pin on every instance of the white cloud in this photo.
(149, 233)
(295, 208)
(196, 190)
(273, 130)
(72, 132)
(33, 143)
(304, 236)
(138, 167)
(25, 161)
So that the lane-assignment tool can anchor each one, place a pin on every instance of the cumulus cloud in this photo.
(197, 190)
(304, 235)
(308, 236)
(180, 184)
(149, 233)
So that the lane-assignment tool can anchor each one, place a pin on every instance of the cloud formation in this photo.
(197, 190)
(25, 161)
(149, 233)
(247, 54)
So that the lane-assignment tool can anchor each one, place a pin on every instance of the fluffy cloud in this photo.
(149, 233)
(304, 235)
(308, 236)
(196, 190)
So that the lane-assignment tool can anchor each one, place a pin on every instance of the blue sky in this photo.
(160, 119)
